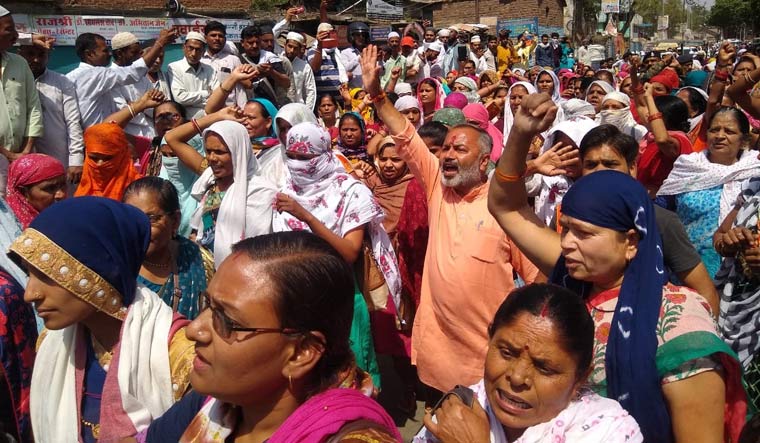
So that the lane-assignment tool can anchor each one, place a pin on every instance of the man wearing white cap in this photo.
(432, 66)
(94, 80)
(451, 56)
(303, 88)
(126, 49)
(20, 110)
(192, 81)
(395, 59)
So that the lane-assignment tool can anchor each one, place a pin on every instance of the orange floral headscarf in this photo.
(110, 178)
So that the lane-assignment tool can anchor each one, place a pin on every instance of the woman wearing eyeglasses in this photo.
(113, 357)
(174, 267)
(161, 160)
(273, 356)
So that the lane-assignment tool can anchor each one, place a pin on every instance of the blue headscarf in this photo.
(107, 237)
(614, 200)
(272, 111)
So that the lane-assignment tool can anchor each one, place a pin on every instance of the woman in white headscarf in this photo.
(515, 95)
(235, 201)
(468, 87)
(596, 92)
(616, 111)
(322, 198)
(577, 108)
(410, 107)
(547, 81)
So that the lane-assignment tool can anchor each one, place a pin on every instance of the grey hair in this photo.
(485, 141)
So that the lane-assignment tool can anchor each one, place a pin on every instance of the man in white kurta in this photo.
(303, 88)
(191, 80)
(62, 135)
(95, 80)
(126, 50)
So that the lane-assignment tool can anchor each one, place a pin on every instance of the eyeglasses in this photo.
(168, 116)
(224, 326)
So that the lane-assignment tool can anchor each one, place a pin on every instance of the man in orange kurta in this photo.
(468, 267)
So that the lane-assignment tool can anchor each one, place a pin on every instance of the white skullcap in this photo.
(403, 88)
(475, 39)
(4, 12)
(435, 46)
(192, 35)
(295, 37)
(325, 27)
(393, 34)
(444, 33)
(122, 40)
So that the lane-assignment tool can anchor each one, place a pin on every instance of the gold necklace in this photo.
(104, 357)
(94, 428)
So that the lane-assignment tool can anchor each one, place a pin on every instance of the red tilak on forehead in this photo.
(545, 310)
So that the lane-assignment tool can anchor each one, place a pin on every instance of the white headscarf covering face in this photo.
(621, 118)
(336, 199)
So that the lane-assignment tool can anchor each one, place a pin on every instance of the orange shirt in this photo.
(468, 273)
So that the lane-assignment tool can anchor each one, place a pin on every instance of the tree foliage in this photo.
(732, 15)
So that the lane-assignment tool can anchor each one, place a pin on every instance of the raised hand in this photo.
(370, 71)
(167, 36)
(535, 114)
(244, 72)
(557, 160)
(43, 41)
(726, 54)
(151, 99)
(232, 113)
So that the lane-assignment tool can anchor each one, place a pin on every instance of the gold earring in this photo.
(290, 382)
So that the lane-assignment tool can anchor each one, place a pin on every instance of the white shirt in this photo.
(303, 88)
(161, 84)
(350, 59)
(272, 165)
(490, 60)
(94, 85)
(142, 123)
(191, 88)
(266, 57)
(430, 70)
(60, 114)
(229, 61)
(413, 61)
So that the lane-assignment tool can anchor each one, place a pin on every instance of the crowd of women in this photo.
(238, 281)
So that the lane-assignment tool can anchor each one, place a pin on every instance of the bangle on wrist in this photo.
(196, 126)
(378, 98)
(721, 75)
(507, 178)
(225, 90)
(131, 110)
(655, 116)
